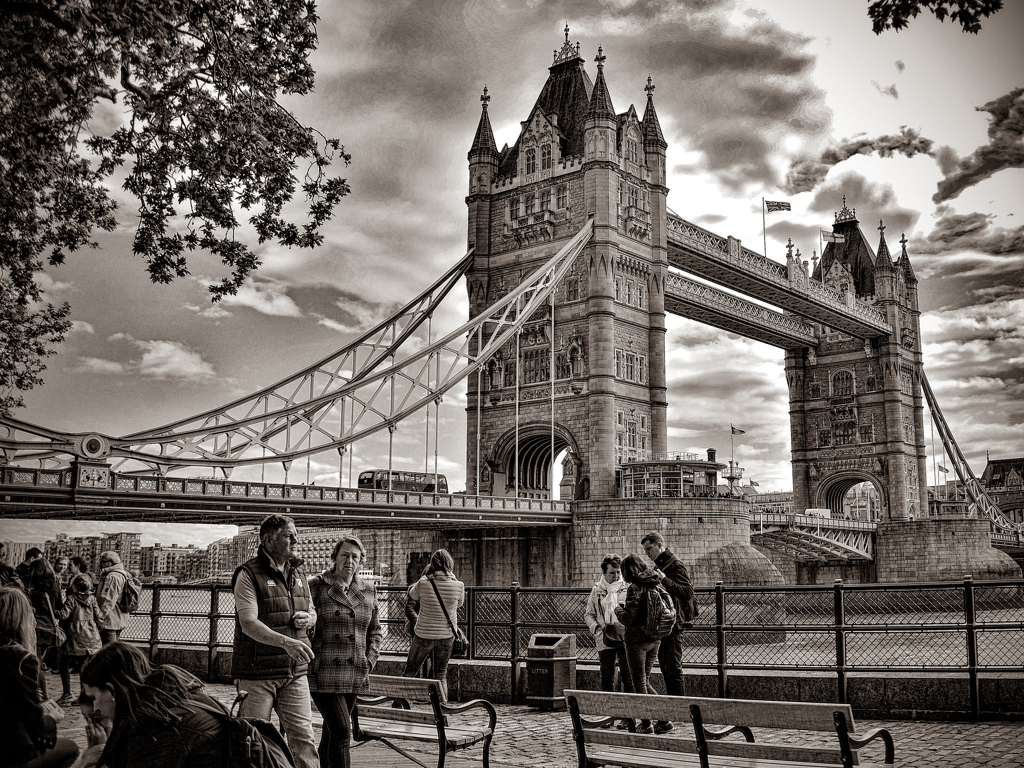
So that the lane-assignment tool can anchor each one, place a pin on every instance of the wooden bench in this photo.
(692, 743)
(376, 719)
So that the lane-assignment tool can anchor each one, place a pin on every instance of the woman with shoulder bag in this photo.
(607, 594)
(346, 643)
(28, 724)
(439, 594)
(641, 650)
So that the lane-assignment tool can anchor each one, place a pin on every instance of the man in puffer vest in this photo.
(272, 651)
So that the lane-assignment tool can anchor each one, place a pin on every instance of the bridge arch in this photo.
(535, 458)
(833, 490)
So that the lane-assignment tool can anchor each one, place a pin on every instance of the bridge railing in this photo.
(936, 627)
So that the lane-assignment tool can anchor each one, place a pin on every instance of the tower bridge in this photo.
(573, 263)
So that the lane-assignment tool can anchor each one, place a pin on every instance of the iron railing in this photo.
(936, 627)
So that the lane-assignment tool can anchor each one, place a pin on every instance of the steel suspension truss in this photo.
(356, 392)
(981, 504)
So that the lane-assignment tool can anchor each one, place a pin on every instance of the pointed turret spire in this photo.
(600, 100)
(908, 271)
(883, 261)
(651, 126)
(484, 142)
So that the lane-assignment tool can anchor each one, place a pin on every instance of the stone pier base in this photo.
(939, 549)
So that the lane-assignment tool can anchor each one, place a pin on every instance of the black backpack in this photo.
(130, 593)
(661, 613)
(252, 743)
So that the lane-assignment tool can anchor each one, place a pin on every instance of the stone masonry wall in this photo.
(939, 549)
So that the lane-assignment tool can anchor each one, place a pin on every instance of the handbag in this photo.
(460, 646)
(614, 635)
(59, 636)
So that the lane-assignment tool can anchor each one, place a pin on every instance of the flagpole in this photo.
(764, 235)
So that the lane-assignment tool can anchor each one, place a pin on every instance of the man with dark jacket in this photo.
(272, 651)
(676, 581)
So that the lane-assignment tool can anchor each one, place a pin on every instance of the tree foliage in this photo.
(201, 138)
(896, 14)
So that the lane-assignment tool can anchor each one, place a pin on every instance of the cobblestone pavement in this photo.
(527, 738)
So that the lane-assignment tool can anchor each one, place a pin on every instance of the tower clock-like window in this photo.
(545, 157)
(531, 161)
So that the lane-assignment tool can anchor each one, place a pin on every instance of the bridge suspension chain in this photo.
(981, 504)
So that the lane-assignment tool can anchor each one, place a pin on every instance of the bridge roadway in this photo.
(725, 262)
(51, 494)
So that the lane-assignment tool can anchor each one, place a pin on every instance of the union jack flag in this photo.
(773, 206)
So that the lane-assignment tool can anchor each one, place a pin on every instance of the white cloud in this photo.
(213, 312)
(171, 360)
(268, 297)
(99, 366)
(81, 326)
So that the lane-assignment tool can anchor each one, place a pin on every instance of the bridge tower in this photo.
(575, 159)
(857, 407)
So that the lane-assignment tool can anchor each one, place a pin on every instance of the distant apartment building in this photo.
(15, 550)
(89, 548)
(1004, 481)
(160, 562)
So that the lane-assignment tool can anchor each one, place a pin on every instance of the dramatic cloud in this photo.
(954, 233)
(1004, 150)
(872, 199)
(808, 173)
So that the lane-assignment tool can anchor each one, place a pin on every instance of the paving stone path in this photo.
(527, 738)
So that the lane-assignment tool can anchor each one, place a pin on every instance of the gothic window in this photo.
(545, 199)
(634, 197)
(824, 438)
(620, 194)
(572, 290)
(629, 369)
(531, 161)
(631, 152)
(510, 373)
(563, 367)
(618, 368)
(545, 157)
(643, 422)
(513, 208)
(618, 289)
(844, 433)
(563, 197)
(842, 384)
(872, 383)
(531, 203)
(815, 390)
(536, 364)
(631, 432)
(629, 292)
(640, 295)
(867, 433)
(619, 417)
(630, 366)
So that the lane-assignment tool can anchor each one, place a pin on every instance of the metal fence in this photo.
(968, 626)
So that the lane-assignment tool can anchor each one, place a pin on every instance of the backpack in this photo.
(252, 743)
(129, 599)
(661, 613)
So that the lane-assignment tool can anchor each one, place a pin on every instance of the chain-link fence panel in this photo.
(907, 649)
(184, 630)
(225, 631)
(139, 628)
(552, 606)
(999, 604)
(1001, 648)
(706, 613)
(905, 606)
(700, 647)
(761, 609)
(814, 650)
(492, 642)
(492, 605)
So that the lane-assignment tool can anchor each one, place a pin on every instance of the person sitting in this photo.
(28, 727)
(138, 716)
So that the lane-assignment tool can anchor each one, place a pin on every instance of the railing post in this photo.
(841, 631)
(970, 614)
(515, 642)
(723, 679)
(211, 647)
(471, 622)
(154, 624)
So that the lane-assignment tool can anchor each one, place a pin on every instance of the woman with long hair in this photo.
(140, 716)
(28, 728)
(432, 635)
(641, 650)
(346, 645)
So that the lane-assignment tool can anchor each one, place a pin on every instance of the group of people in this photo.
(617, 615)
(298, 640)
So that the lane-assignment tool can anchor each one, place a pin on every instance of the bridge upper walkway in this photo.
(725, 262)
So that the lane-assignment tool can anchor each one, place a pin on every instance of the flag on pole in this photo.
(754, 484)
(772, 206)
(832, 237)
(943, 469)
(737, 431)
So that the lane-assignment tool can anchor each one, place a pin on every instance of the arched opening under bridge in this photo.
(537, 476)
(853, 494)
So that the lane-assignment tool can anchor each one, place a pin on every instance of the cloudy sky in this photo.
(784, 99)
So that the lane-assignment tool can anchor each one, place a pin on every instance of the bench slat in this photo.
(415, 688)
(646, 758)
(400, 715)
(459, 737)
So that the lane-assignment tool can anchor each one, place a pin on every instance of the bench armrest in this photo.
(375, 700)
(709, 734)
(492, 715)
(859, 741)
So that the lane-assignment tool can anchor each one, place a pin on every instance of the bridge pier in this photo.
(939, 549)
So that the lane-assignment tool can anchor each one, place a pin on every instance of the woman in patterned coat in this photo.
(346, 644)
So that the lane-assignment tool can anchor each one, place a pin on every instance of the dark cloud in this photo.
(900, 66)
(954, 233)
(874, 201)
(807, 173)
(1004, 150)
(889, 90)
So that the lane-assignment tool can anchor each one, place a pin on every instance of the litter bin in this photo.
(550, 669)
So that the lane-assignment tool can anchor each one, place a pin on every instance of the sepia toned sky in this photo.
(793, 100)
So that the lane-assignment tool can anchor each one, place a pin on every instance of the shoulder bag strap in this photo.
(49, 607)
(437, 592)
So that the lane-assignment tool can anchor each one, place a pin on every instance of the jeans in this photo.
(64, 665)
(640, 657)
(440, 650)
(63, 754)
(336, 709)
(109, 636)
(608, 657)
(670, 659)
(289, 697)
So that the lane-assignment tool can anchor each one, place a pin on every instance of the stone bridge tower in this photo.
(575, 158)
(857, 407)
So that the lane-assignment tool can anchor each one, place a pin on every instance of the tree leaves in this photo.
(205, 143)
(896, 14)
